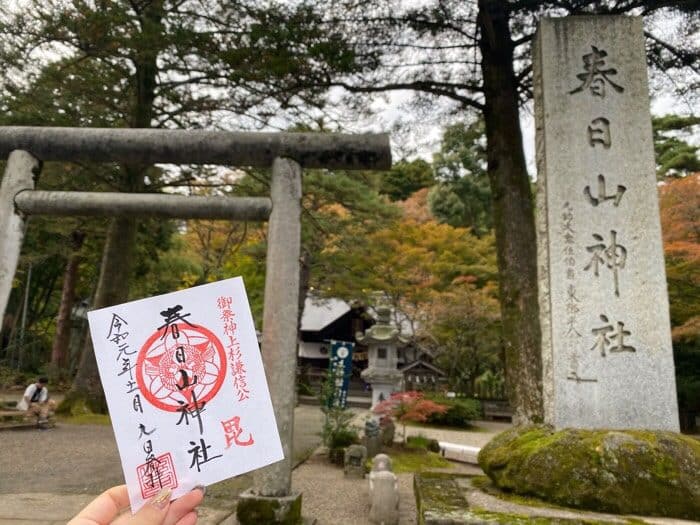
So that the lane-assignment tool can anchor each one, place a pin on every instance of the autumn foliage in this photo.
(679, 201)
(409, 407)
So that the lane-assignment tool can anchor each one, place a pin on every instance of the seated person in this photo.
(36, 401)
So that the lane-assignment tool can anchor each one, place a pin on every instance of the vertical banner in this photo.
(340, 369)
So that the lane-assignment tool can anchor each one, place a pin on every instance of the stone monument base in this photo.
(254, 509)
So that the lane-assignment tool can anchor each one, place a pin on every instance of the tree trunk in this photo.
(112, 288)
(63, 321)
(513, 215)
(113, 285)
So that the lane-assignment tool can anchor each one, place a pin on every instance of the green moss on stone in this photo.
(637, 471)
(267, 510)
(521, 519)
(437, 493)
(257, 511)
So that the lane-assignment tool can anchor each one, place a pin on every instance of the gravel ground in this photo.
(68, 459)
(335, 500)
(83, 459)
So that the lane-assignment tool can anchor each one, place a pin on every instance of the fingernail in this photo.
(202, 488)
(161, 499)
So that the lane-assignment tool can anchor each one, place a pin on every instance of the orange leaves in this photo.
(679, 201)
(409, 406)
(415, 207)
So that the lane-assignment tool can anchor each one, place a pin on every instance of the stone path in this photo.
(477, 437)
(333, 499)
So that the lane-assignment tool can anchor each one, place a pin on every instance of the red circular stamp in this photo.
(180, 367)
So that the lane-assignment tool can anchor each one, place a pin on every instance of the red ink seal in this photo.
(176, 372)
(156, 474)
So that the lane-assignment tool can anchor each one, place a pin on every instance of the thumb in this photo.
(153, 512)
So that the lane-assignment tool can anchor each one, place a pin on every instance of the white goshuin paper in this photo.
(149, 353)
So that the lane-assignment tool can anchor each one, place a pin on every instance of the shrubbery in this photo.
(460, 412)
(337, 432)
(422, 442)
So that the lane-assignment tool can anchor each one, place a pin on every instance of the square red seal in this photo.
(156, 474)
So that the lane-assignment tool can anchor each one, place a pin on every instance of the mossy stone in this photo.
(642, 472)
(253, 509)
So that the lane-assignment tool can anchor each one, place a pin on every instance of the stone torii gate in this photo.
(25, 148)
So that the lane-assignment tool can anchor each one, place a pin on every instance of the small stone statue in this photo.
(383, 492)
(388, 430)
(354, 464)
(372, 438)
(381, 462)
(371, 428)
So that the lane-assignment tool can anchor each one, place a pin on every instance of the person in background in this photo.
(36, 401)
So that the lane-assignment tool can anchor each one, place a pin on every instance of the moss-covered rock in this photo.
(633, 471)
(253, 509)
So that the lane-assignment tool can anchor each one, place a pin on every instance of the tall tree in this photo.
(405, 178)
(412, 263)
(166, 63)
(476, 55)
(675, 156)
(463, 196)
(61, 341)
(463, 327)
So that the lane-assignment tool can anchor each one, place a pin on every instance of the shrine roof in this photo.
(319, 313)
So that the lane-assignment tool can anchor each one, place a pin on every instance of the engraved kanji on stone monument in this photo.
(599, 133)
(613, 257)
(606, 346)
(602, 195)
(615, 341)
(594, 77)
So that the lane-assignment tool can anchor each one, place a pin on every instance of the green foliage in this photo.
(405, 178)
(154, 64)
(337, 431)
(460, 413)
(674, 155)
(462, 198)
(412, 461)
(87, 418)
(423, 443)
(10, 377)
(465, 332)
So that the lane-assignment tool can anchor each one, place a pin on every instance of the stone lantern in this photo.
(382, 341)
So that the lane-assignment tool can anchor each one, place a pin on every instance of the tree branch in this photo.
(435, 88)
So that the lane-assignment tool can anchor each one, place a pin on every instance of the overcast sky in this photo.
(424, 137)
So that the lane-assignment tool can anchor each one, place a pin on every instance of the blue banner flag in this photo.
(340, 369)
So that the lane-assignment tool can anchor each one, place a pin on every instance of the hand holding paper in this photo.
(106, 507)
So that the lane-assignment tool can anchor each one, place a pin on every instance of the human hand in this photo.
(106, 508)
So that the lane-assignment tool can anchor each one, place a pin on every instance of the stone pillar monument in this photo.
(382, 340)
(607, 354)
(272, 500)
